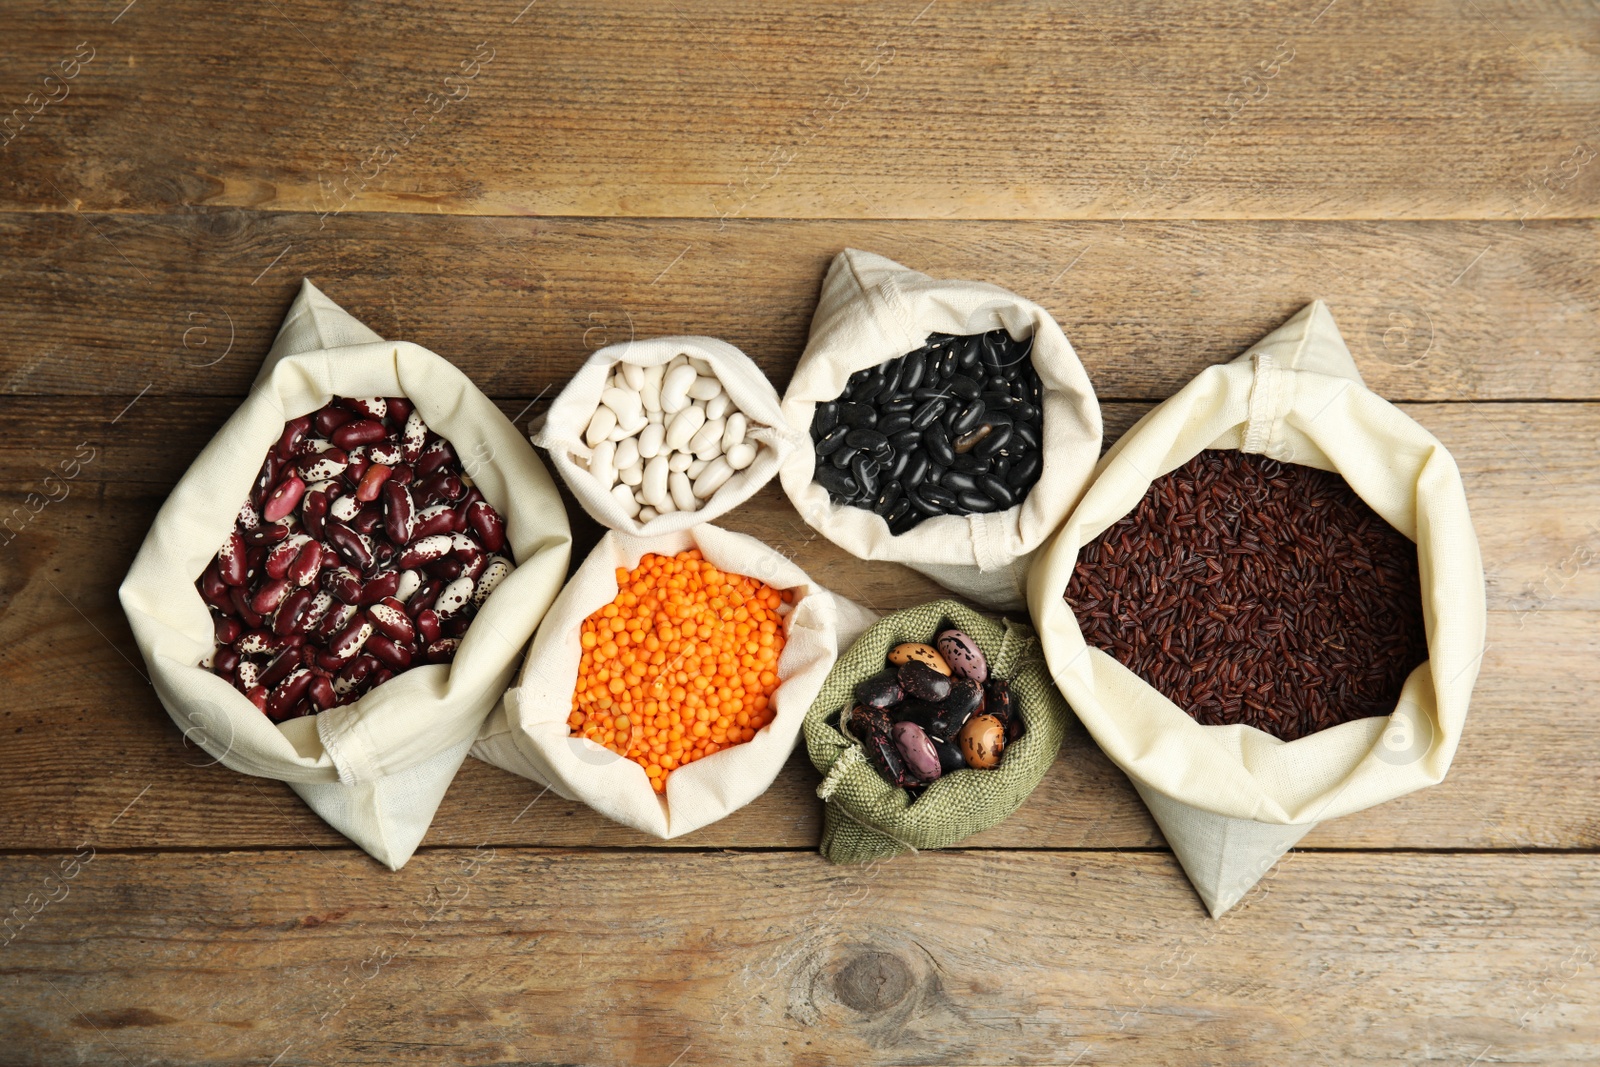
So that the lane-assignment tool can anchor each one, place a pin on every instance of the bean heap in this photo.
(1251, 591)
(667, 437)
(683, 663)
(950, 429)
(934, 709)
(363, 550)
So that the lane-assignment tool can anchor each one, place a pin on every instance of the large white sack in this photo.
(375, 769)
(873, 309)
(528, 734)
(1232, 799)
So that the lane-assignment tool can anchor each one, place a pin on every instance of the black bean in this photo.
(973, 501)
(940, 498)
(971, 352)
(832, 440)
(996, 490)
(1023, 411)
(999, 435)
(964, 387)
(916, 367)
(996, 345)
(938, 446)
(1001, 466)
(966, 461)
(891, 380)
(860, 416)
(929, 413)
(959, 481)
(863, 438)
(1023, 470)
(999, 400)
(905, 439)
(972, 438)
(897, 468)
(889, 425)
(898, 509)
(862, 384)
(834, 480)
(898, 407)
(843, 457)
(907, 520)
(916, 470)
(948, 361)
(948, 419)
(1027, 436)
(969, 419)
(826, 418)
(866, 474)
(887, 495)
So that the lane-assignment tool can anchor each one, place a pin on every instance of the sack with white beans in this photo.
(658, 435)
(874, 310)
(376, 768)
(529, 733)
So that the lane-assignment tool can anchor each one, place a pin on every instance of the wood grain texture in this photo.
(188, 305)
(1528, 474)
(847, 108)
(513, 956)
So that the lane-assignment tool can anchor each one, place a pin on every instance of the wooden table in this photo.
(514, 186)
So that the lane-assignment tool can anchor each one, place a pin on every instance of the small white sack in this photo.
(375, 769)
(562, 432)
(528, 733)
(872, 309)
(1232, 799)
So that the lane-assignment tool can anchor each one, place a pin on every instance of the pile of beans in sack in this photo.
(362, 551)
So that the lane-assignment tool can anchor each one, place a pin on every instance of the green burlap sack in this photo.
(866, 818)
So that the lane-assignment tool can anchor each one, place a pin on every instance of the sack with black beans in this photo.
(951, 425)
(866, 818)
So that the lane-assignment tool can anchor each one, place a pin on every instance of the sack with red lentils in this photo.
(1268, 607)
(376, 766)
(667, 684)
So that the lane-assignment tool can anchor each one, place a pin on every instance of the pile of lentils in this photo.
(949, 429)
(933, 710)
(1251, 591)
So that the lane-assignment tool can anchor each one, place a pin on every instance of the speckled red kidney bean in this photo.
(393, 655)
(443, 650)
(428, 626)
(438, 519)
(320, 468)
(294, 431)
(353, 548)
(286, 694)
(231, 559)
(399, 514)
(271, 593)
(282, 555)
(425, 550)
(434, 457)
(485, 521)
(283, 662)
(290, 615)
(307, 564)
(385, 584)
(425, 596)
(321, 693)
(351, 639)
(389, 617)
(454, 597)
(343, 583)
(226, 630)
(365, 407)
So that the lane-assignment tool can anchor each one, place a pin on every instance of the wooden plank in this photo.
(551, 957)
(1527, 474)
(712, 109)
(188, 305)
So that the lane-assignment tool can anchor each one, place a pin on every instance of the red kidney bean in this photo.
(402, 475)
(294, 431)
(225, 660)
(357, 469)
(456, 625)
(227, 630)
(367, 520)
(291, 612)
(266, 535)
(372, 482)
(321, 693)
(389, 616)
(447, 569)
(266, 478)
(314, 511)
(413, 439)
(435, 456)
(425, 597)
(381, 675)
(359, 432)
(353, 547)
(242, 609)
(303, 571)
(441, 486)
(288, 693)
(399, 516)
(258, 696)
(343, 583)
(428, 625)
(366, 407)
(443, 650)
(270, 595)
(330, 419)
(284, 498)
(347, 642)
(425, 550)
(213, 589)
(283, 554)
(484, 521)
(400, 409)
(286, 661)
(395, 656)
(378, 588)
(231, 559)
(324, 467)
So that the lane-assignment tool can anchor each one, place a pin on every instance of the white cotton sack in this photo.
(1232, 799)
(529, 735)
(375, 769)
(873, 309)
(564, 427)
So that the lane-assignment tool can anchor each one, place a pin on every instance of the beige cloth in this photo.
(1231, 799)
(375, 769)
(562, 429)
(872, 309)
(528, 733)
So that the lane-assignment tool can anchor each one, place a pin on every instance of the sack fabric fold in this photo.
(375, 769)
(873, 309)
(1231, 799)
(529, 735)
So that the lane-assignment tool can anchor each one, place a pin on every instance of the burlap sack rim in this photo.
(1014, 653)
